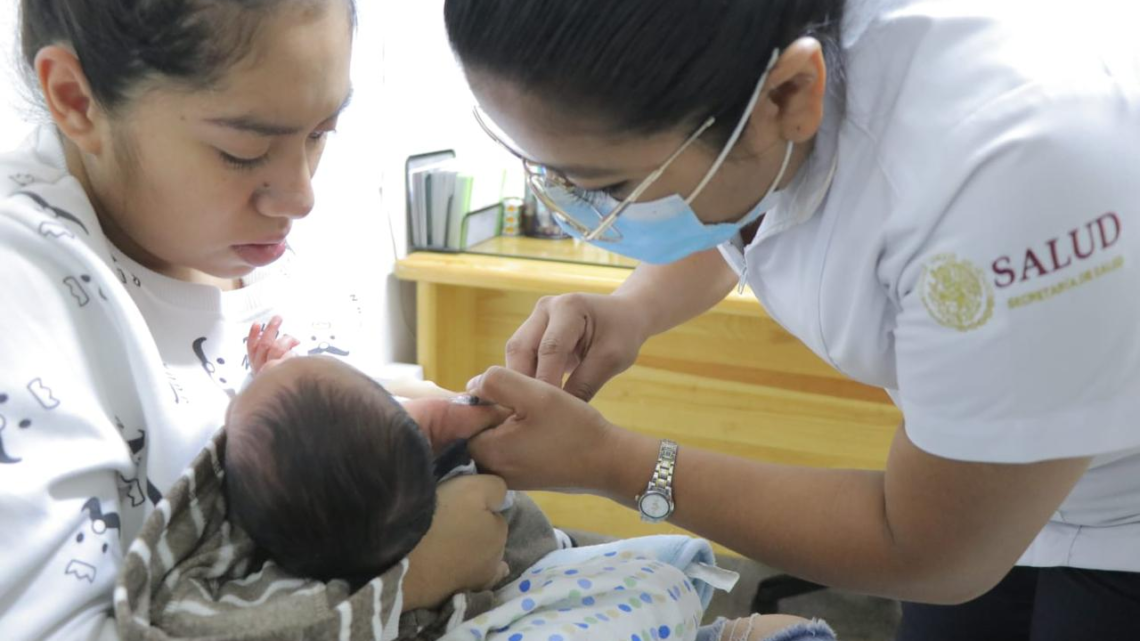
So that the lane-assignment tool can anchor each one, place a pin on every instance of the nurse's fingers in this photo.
(552, 440)
(595, 370)
(513, 390)
(522, 348)
(560, 342)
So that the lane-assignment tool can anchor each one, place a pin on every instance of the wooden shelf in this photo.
(540, 276)
(566, 250)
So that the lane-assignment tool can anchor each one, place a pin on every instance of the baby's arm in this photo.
(267, 347)
(412, 388)
(444, 422)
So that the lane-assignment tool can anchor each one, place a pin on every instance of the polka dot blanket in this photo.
(650, 589)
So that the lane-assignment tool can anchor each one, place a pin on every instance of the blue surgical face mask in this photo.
(667, 230)
(660, 231)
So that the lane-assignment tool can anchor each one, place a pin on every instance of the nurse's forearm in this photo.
(827, 526)
(672, 294)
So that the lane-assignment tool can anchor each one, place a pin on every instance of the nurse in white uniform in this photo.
(938, 198)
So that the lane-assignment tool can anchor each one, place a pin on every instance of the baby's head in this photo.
(326, 471)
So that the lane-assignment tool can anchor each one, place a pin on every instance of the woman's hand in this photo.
(463, 550)
(758, 628)
(593, 338)
(552, 440)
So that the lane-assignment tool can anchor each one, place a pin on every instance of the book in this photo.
(480, 226)
(441, 200)
(449, 208)
(460, 208)
(417, 172)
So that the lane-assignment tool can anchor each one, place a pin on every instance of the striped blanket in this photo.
(191, 575)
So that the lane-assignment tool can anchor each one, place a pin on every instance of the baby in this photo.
(325, 469)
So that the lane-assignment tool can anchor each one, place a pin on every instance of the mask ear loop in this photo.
(736, 134)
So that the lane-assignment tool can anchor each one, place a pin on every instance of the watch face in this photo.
(655, 506)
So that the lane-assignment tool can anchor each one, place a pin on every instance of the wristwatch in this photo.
(656, 504)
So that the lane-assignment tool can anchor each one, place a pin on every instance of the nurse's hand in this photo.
(551, 441)
(463, 550)
(593, 338)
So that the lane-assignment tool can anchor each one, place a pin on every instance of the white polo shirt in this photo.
(966, 235)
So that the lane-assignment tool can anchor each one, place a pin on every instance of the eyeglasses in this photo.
(578, 209)
(575, 207)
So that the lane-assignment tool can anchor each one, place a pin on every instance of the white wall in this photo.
(409, 98)
(13, 126)
(425, 106)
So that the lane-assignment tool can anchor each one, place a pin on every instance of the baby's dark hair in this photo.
(332, 482)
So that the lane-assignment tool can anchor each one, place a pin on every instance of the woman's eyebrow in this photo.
(254, 125)
(251, 124)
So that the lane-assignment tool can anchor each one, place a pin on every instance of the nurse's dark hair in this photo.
(643, 66)
(121, 43)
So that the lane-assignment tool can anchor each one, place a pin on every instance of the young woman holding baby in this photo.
(141, 232)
